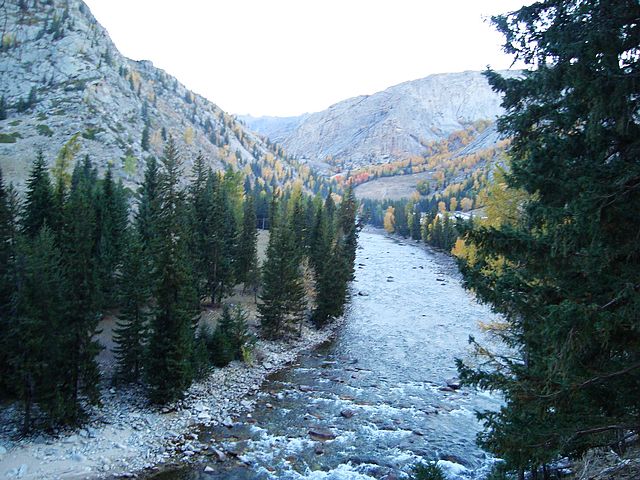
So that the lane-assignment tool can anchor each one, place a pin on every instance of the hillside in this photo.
(388, 126)
(63, 76)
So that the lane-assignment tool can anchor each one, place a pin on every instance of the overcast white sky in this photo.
(286, 57)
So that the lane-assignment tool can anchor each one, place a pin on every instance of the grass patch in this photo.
(42, 117)
(15, 123)
(9, 137)
(44, 130)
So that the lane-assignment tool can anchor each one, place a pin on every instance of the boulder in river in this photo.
(453, 383)
(347, 413)
(321, 434)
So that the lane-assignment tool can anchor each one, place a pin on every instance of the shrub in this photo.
(427, 471)
(231, 339)
(44, 130)
(9, 137)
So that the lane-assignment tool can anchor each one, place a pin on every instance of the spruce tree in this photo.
(37, 337)
(283, 299)
(111, 223)
(146, 220)
(131, 331)
(8, 285)
(565, 276)
(38, 207)
(78, 248)
(247, 259)
(169, 366)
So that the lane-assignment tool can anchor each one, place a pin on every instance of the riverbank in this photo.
(125, 437)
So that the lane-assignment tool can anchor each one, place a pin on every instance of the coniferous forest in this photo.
(76, 246)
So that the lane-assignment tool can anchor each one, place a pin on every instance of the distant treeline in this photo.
(425, 219)
(73, 249)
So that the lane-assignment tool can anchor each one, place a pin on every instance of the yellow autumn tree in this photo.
(188, 135)
(390, 219)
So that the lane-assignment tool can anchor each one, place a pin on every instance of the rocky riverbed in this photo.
(125, 436)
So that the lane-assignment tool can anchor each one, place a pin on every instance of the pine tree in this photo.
(146, 219)
(37, 339)
(144, 142)
(347, 217)
(230, 338)
(38, 207)
(131, 331)
(283, 297)
(565, 276)
(79, 244)
(169, 366)
(247, 261)
(111, 224)
(8, 239)
(320, 240)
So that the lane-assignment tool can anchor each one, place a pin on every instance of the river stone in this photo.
(227, 422)
(208, 469)
(347, 413)
(453, 383)
(321, 434)
(219, 454)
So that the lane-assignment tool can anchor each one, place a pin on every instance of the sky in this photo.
(287, 57)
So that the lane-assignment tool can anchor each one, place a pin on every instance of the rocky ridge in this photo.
(63, 76)
(387, 126)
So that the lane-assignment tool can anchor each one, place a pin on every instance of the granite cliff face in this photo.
(63, 76)
(387, 126)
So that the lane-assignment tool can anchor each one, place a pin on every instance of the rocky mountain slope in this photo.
(387, 126)
(62, 76)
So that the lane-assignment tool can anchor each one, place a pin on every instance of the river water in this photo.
(378, 387)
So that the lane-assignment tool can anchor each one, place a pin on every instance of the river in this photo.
(379, 387)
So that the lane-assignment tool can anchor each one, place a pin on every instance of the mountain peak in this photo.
(64, 77)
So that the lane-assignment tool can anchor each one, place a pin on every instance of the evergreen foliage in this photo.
(111, 225)
(565, 273)
(78, 247)
(231, 337)
(8, 238)
(69, 254)
(38, 206)
(247, 261)
(37, 338)
(283, 297)
(131, 331)
(169, 366)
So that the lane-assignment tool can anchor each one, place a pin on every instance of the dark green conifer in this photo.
(169, 368)
(38, 206)
(131, 332)
(37, 337)
(111, 223)
(78, 249)
(283, 297)
(247, 260)
(567, 281)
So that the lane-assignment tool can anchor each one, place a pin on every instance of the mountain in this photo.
(63, 78)
(388, 126)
